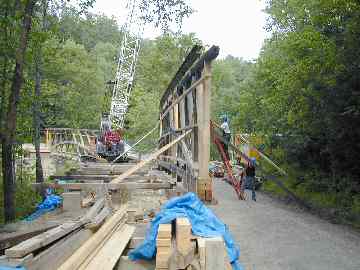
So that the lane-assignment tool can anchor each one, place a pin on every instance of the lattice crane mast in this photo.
(129, 51)
(110, 143)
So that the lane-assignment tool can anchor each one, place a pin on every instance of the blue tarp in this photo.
(12, 268)
(50, 203)
(203, 221)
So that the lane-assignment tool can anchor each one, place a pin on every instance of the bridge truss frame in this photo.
(185, 106)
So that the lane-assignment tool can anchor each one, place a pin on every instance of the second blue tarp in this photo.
(51, 202)
(203, 221)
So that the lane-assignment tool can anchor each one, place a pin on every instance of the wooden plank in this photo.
(182, 113)
(183, 235)
(203, 111)
(215, 257)
(202, 252)
(107, 257)
(81, 138)
(190, 115)
(106, 186)
(90, 245)
(185, 93)
(55, 255)
(151, 157)
(163, 242)
(162, 258)
(8, 240)
(164, 231)
(87, 201)
(41, 240)
(186, 153)
(99, 177)
(93, 211)
(178, 260)
(264, 156)
(99, 219)
(15, 262)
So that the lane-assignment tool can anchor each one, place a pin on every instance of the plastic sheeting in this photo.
(12, 268)
(50, 203)
(203, 221)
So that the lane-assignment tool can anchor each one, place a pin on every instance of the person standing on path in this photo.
(226, 135)
(250, 178)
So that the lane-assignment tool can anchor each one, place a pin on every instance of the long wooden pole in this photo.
(151, 157)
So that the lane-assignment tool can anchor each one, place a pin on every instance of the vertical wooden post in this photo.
(176, 126)
(81, 138)
(161, 126)
(47, 137)
(203, 112)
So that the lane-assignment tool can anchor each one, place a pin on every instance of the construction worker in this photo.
(226, 135)
(249, 182)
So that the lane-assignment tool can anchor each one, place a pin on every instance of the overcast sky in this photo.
(237, 26)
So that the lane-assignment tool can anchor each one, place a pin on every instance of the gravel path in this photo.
(273, 236)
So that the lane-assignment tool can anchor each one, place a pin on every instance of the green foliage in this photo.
(302, 96)
(75, 54)
(158, 62)
(26, 198)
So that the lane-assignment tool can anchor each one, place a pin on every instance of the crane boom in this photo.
(132, 32)
(110, 143)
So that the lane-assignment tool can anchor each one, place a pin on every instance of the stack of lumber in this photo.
(179, 249)
(49, 249)
(9, 239)
(163, 246)
(212, 254)
(104, 248)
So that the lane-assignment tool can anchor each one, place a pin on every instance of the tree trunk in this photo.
(4, 71)
(3, 94)
(37, 104)
(10, 121)
(39, 169)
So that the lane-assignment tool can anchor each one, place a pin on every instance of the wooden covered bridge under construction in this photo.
(108, 207)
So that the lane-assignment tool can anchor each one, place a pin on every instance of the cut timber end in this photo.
(183, 235)
(163, 246)
(162, 258)
(215, 254)
(183, 222)
(163, 242)
(181, 261)
(164, 231)
(202, 253)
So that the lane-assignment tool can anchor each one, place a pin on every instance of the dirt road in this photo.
(273, 236)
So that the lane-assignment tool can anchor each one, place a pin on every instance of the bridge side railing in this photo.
(71, 142)
(186, 106)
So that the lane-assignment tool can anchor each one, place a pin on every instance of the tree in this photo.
(158, 62)
(37, 104)
(9, 135)
(61, 68)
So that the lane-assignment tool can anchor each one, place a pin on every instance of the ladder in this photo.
(132, 32)
(233, 181)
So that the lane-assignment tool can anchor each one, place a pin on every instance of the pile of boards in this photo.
(177, 248)
(96, 239)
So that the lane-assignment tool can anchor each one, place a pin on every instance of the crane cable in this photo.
(140, 140)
